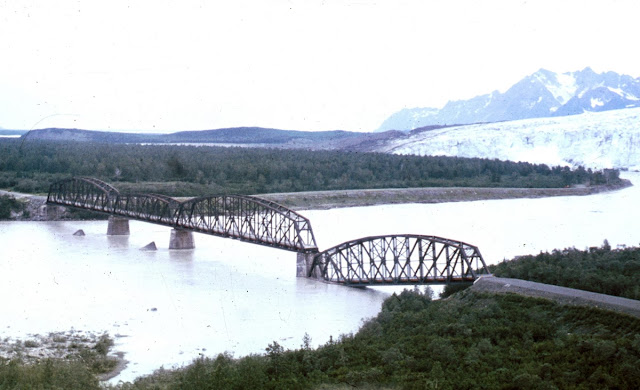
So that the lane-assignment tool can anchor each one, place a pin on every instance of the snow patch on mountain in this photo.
(622, 93)
(609, 139)
(541, 94)
(562, 86)
(595, 102)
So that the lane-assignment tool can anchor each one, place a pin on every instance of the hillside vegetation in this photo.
(32, 166)
(601, 270)
(469, 341)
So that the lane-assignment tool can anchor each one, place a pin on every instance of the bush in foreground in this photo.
(46, 374)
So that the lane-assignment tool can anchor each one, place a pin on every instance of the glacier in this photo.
(608, 139)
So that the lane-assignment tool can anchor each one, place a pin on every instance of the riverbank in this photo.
(90, 348)
(36, 210)
(322, 200)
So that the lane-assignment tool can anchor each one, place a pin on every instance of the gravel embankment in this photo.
(563, 295)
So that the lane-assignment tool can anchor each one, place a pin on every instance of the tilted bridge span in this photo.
(382, 260)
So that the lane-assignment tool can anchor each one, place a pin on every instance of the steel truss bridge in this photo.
(399, 259)
(382, 260)
(241, 217)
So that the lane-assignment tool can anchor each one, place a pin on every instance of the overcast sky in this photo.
(308, 65)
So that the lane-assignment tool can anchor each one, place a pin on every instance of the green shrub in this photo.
(9, 204)
(46, 374)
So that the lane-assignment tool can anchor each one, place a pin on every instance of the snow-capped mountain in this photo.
(542, 94)
(608, 139)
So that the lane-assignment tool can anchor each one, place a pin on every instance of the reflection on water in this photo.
(167, 306)
(118, 242)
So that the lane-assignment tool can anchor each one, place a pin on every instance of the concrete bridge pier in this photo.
(118, 226)
(304, 264)
(181, 239)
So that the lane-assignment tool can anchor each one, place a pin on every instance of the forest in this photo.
(31, 166)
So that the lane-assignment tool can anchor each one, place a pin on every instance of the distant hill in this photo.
(58, 134)
(542, 94)
(258, 135)
(5, 132)
(239, 135)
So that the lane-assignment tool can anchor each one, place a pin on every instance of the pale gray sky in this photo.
(306, 65)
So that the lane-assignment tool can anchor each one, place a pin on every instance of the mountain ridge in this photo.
(541, 94)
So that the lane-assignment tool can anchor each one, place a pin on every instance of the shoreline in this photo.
(64, 345)
(324, 200)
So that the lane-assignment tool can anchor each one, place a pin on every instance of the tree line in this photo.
(32, 165)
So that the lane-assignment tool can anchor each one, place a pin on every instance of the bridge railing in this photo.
(399, 259)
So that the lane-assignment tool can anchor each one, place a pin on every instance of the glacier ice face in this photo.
(609, 139)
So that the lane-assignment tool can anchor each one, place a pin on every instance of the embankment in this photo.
(355, 198)
(563, 295)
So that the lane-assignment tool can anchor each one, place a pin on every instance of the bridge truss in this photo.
(399, 259)
(246, 218)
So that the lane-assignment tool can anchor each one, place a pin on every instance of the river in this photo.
(165, 308)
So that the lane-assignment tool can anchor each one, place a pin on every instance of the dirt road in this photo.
(563, 295)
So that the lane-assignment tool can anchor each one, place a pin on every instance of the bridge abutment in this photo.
(303, 266)
(181, 239)
(118, 226)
